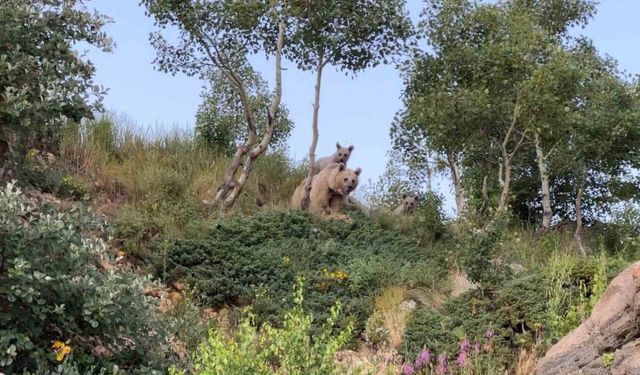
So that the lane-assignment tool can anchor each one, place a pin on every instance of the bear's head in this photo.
(409, 203)
(342, 153)
(345, 180)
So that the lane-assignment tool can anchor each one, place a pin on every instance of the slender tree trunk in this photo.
(505, 180)
(547, 212)
(577, 235)
(452, 160)
(246, 154)
(507, 157)
(485, 194)
(314, 141)
(429, 173)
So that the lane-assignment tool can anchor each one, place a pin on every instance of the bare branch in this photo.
(275, 102)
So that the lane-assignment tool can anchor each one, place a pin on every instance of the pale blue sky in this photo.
(353, 111)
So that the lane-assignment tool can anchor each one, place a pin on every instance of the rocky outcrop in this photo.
(609, 341)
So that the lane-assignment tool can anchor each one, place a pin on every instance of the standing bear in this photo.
(408, 205)
(329, 189)
(341, 155)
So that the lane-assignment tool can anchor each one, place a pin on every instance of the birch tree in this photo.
(219, 36)
(350, 36)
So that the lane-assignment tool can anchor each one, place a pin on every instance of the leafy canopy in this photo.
(43, 81)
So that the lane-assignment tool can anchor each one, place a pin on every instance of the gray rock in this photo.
(611, 330)
(408, 305)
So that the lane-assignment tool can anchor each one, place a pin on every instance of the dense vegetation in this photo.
(114, 258)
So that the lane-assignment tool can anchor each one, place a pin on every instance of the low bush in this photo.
(253, 260)
(518, 313)
(479, 247)
(58, 306)
(267, 350)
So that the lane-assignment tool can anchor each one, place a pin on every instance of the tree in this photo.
(220, 121)
(219, 36)
(605, 138)
(499, 79)
(43, 81)
(349, 35)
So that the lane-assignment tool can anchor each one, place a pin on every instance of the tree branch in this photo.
(275, 103)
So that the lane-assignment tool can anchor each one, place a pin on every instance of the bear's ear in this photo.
(341, 166)
(350, 148)
(404, 196)
(338, 145)
(357, 171)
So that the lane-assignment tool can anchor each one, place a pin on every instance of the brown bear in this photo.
(329, 189)
(341, 155)
(408, 205)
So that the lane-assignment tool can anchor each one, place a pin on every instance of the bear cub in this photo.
(408, 205)
(341, 155)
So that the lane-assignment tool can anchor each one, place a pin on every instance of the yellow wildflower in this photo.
(338, 275)
(32, 153)
(286, 259)
(62, 350)
(121, 253)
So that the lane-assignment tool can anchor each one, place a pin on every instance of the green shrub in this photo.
(576, 284)
(42, 171)
(140, 225)
(478, 248)
(513, 315)
(253, 260)
(537, 306)
(57, 305)
(426, 225)
(292, 349)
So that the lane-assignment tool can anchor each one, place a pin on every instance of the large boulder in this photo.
(609, 341)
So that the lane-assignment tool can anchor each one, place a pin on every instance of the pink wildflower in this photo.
(422, 359)
(442, 364)
(461, 360)
(489, 333)
(464, 345)
(407, 369)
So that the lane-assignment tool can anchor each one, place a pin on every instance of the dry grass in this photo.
(526, 361)
(389, 304)
(119, 164)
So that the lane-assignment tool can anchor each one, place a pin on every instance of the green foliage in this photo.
(607, 359)
(43, 82)
(154, 185)
(43, 171)
(352, 35)
(478, 249)
(509, 318)
(255, 259)
(221, 122)
(50, 274)
(575, 287)
(532, 307)
(292, 349)
(502, 77)
(425, 329)
(428, 217)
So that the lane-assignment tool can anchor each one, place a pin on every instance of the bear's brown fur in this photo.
(408, 205)
(329, 189)
(341, 155)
